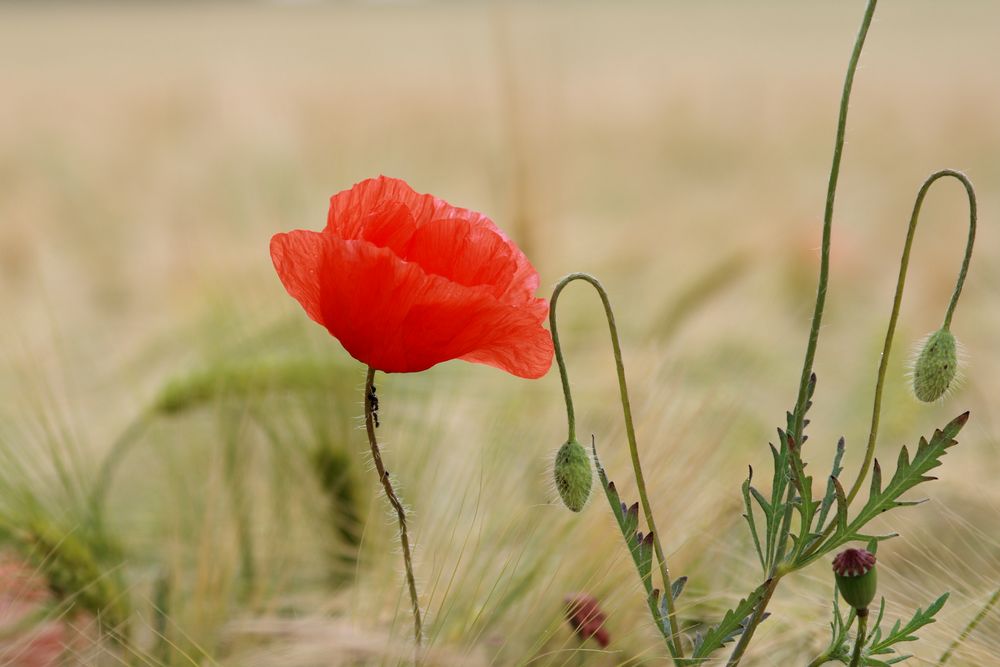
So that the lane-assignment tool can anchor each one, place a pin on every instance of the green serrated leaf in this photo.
(830, 494)
(876, 486)
(640, 549)
(631, 521)
(644, 560)
(909, 473)
(841, 505)
(677, 587)
(731, 623)
(752, 524)
(901, 633)
(761, 500)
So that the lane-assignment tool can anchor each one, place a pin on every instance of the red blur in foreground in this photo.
(587, 619)
(25, 642)
(406, 281)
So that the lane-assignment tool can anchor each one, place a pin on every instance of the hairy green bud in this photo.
(857, 581)
(573, 475)
(936, 366)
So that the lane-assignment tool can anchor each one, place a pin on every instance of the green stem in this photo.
(890, 333)
(859, 640)
(758, 616)
(831, 194)
(109, 464)
(629, 431)
(236, 458)
(824, 278)
(390, 494)
(973, 624)
(897, 299)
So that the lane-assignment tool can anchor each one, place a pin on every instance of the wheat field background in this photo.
(678, 151)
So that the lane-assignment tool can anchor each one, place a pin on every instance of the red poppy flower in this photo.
(406, 281)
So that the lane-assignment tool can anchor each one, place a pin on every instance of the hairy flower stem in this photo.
(824, 278)
(859, 640)
(629, 431)
(383, 476)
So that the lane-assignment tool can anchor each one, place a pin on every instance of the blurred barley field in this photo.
(678, 151)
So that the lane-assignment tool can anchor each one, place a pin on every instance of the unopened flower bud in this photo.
(936, 366)
(856, 577)
(573, 475)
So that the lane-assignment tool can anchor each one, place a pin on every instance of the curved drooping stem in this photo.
(371, 408)
(824, 278)
(629, 432)
(904, 264)
(109, 464)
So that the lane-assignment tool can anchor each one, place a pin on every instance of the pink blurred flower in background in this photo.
(27, 637)
(584, 613)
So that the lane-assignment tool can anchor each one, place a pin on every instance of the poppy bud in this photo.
(936, 366)
(573, 475)
(856, 577)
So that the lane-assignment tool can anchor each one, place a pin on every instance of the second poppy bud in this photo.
(856, 577)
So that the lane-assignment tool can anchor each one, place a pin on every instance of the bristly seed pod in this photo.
(857, 581)
(935, 367)
(573, 475)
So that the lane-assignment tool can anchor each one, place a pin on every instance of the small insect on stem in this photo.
(373, 401)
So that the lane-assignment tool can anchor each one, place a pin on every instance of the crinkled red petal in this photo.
(393, 315)
(455, 243)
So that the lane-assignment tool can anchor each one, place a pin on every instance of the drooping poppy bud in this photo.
(573, 475)
(856, 577)
(935, 367)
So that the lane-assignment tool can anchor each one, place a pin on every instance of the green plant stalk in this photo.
(890, 333)
(824, 277)
(859, 640)
(390, 494)
(897, 299)
(758, 616)
(235, 459)
(831, 195)
(109, 464)
(629, 431)
(970, 628)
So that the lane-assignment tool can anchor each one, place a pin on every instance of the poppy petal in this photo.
(352, 210)
(358, 212)
(463, 253)
(297, 257)
(406, 281)
(470, 324)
